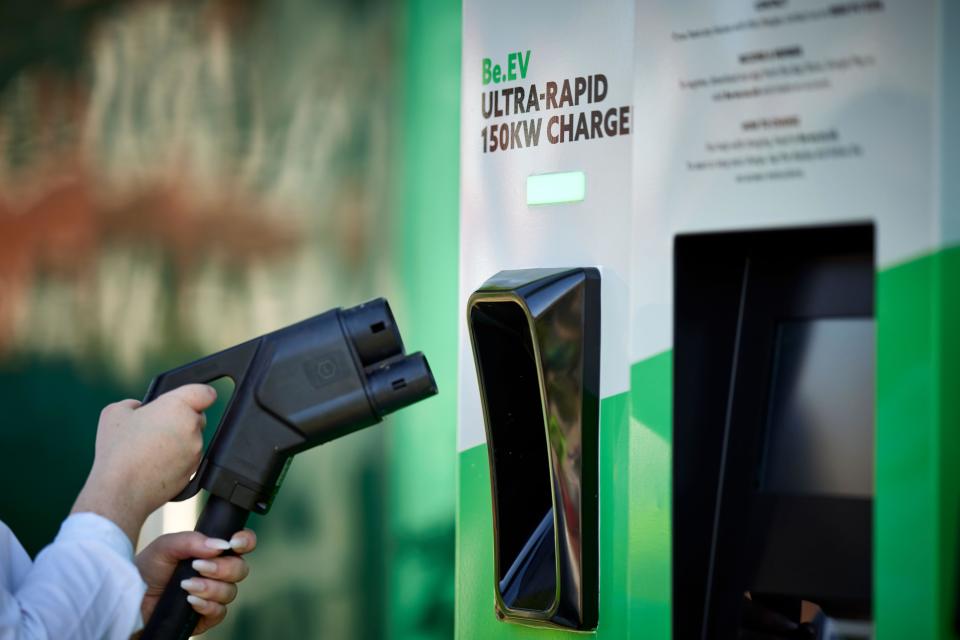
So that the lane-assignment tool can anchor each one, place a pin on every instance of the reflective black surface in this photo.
(536, 342)
(521, 466)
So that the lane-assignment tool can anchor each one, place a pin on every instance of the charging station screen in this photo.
(819, 432)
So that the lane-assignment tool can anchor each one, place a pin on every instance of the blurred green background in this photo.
(176, 177)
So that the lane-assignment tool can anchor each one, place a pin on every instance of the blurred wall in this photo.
(176, 177)
(421, 446)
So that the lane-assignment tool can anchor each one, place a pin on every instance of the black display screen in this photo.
(820, 420)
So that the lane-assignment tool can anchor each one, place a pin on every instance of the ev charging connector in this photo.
(295, 388)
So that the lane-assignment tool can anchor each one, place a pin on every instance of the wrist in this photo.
(113, 500)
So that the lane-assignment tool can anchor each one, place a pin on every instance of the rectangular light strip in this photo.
(556, 188)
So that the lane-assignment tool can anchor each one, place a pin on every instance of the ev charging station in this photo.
(709, 346)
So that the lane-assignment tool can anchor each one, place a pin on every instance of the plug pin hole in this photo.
(377, 327)
(398, 384)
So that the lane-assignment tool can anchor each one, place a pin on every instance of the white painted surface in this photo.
(641, 190)
(886, 107)
(497, 229)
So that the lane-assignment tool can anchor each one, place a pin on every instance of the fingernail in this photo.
(213, 392)
(191, 585)
(217, 543)
(196, 601)
(204, 566)
(238, 543)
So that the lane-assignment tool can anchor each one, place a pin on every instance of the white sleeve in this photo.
(83, 586)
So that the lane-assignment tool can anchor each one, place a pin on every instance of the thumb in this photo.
(196, 396)
(174, 547)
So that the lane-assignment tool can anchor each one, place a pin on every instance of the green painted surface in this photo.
(918, 416)
(905, 505)
(615, 453)
(649, 505)
(421, 451)
(948, 419)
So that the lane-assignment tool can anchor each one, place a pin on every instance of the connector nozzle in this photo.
(401, 383)
(373, 331)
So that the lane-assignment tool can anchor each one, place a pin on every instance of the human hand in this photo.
(145, 455)
(214, 589)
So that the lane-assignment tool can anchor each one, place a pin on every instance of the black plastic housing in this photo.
(536, 344)
(762, 501)
(296, 388)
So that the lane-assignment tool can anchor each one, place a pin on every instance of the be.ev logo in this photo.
(518, 61)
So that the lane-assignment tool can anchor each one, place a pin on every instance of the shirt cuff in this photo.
(81, 527)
